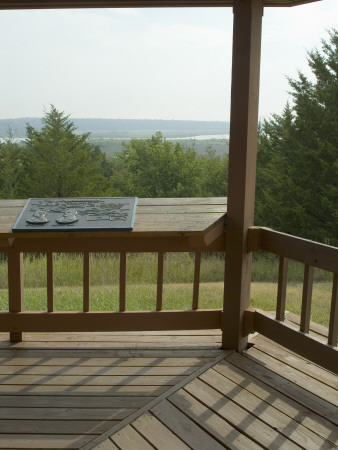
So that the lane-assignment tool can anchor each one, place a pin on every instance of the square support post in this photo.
(15, 288)
(242, 167)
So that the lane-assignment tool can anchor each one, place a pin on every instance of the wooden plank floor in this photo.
(174, 390)
(266, 398)
(64, 390)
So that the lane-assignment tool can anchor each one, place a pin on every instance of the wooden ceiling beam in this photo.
(65, 4)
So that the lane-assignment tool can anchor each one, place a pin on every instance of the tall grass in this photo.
(178, 278)
(142, 269)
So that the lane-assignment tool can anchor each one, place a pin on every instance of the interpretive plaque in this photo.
(77, 214)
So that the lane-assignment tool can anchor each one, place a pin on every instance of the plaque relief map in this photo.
(77, 214)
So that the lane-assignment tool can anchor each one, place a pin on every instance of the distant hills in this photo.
(122, 128)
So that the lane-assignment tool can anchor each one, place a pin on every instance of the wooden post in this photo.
(50, 282)
(86, 287)
(242, 167)
(282, 285)
(196, 287)
(123, 280)
(159, 296)
(306, 299)
(15, 288)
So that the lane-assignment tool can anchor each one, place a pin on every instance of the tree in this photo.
(60, 163)
(297, 176)
(11, 167)
(156, 168)
(214, 182)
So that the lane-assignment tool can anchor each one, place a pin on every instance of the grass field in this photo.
(177, 291)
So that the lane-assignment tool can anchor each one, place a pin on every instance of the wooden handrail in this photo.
(311, 254)
(303, 250)
(74, 321)
(80, 244)
(291, 338)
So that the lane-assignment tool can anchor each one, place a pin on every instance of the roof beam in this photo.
(64, 4)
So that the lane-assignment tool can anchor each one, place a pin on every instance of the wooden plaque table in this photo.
(169, 224)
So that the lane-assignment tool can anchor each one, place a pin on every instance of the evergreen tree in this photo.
(297, 177)
(11, 168)
(60, 163)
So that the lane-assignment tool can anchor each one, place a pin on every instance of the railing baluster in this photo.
(50, 282)
(86, 269)
(282, 284)
(15, 288)
(333, 327)
(306, 299)
(123, 276)
(196, 280)
(159, 295)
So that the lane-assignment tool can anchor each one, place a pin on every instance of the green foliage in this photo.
(214, 181)
(156, 168)
(159, 168)
(60, 163)
(11, 168)
(202, 146)
(297, 178)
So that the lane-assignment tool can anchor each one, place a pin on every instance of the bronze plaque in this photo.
(77, 214)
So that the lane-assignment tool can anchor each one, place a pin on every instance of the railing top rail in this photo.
(289, 336)
(303, 250)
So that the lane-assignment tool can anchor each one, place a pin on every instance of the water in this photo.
(202, 137)
(14, 139)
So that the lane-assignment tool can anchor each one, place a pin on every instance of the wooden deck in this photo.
(161, 390)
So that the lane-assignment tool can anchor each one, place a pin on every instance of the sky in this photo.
(167, 63)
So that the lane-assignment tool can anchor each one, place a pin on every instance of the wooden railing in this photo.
(311, 254)
(16, 320)
(299, 339)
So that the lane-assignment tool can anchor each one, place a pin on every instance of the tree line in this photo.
(297, 173)
(297, 178)
(57, 162)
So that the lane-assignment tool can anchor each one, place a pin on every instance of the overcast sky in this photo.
(146, 63)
